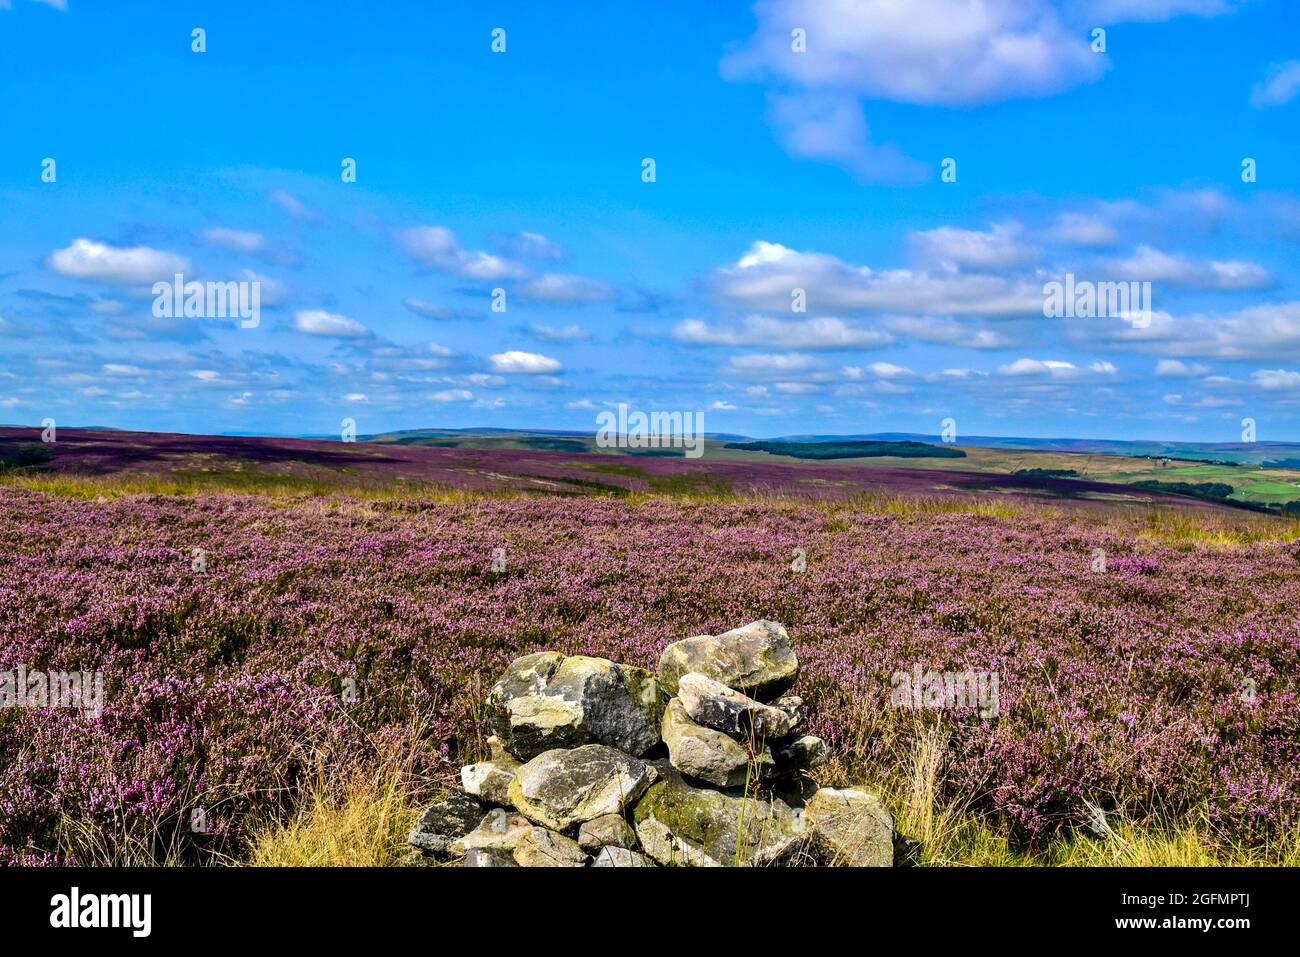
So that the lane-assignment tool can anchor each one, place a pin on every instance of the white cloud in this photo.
(437, 247)
(318, 322)
(1282, 86)
(821, 333)
(721, 406)
(929, 52)
(125, 265)
(1039, 367)
(1148, 264)
(427, 309)
(1081, 229)
(954, 248)
(1174, 369)
(528, 246)
(833, 128)
(949, 332)
(545, 333)
(771, 363)
(564, 290)
(234, 239)
(887, 370)
(1277, 379)
(1267, 331)
(524, 362)
(452, 395)
(764, 277)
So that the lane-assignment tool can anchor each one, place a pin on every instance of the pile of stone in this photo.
(598, 763)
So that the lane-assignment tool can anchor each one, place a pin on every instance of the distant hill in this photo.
(851, 450)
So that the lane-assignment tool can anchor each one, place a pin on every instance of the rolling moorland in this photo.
(319, 676)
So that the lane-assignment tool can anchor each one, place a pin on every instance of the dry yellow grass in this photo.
(362, 822)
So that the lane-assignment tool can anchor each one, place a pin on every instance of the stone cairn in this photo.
(605, 764)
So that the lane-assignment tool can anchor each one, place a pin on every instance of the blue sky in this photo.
(775, 170)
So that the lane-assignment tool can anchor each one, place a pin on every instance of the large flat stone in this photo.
(756, 659)
(714, 705)
(563, 787)
(546, 701)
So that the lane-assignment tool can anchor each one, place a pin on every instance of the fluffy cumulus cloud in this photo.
(1039, 367)
(318, 322)
(1287, 380)
(926, 52)
(946, 53)
(998, 248)
(1148, 264)
(515, 361)
(1176, 369)
(438, 248)
(1265, 331)
(124, 265)
(932, 52)
(765, 277)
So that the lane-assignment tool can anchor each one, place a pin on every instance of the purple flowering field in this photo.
(1165, 684)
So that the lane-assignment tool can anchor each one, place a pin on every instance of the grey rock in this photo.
(561, 788)
(714, 705)
(801, 754)
(488, 857)
(611, 856)
(499, 830)
(708, 754)
(544, 848)
(490, 780)
(757, 659)
(850, 828)
(453, 817)
(608, 830)
(792, 705)
(546, 701)
(683, 825)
